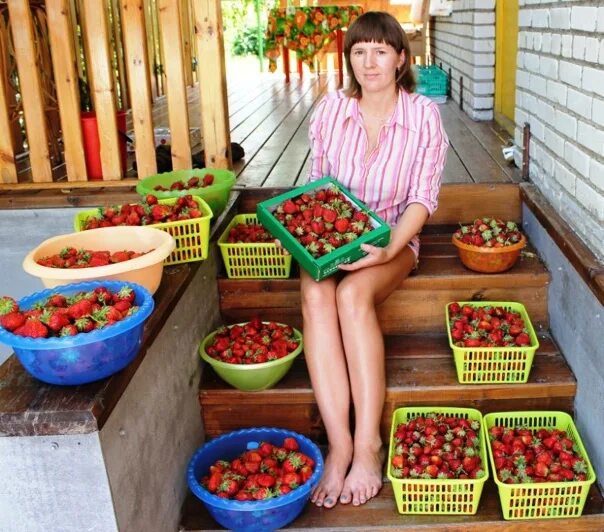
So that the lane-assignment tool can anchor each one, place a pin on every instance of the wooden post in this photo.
(526, 146)
(286, 63)
(31, 89)
(118, 32)
(209, 40)
(176, 92)
(67, 85)
(133, 30)
(8, 170)
(97, 37)
(187, 53)
(340, 49)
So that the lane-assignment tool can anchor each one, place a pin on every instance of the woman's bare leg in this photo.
(357, 295)
(326, 363)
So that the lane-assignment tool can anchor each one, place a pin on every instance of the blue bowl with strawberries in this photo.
(275, 511)
(67, 346)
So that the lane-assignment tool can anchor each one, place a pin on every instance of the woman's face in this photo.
(374, 65)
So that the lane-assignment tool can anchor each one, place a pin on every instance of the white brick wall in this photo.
(464, 43)
(560, 93)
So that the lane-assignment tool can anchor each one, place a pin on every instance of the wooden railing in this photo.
(127, 53)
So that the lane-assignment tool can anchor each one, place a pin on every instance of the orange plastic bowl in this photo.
(488, 260)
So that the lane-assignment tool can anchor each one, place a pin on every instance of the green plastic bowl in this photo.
(251, 377)
(215, 195)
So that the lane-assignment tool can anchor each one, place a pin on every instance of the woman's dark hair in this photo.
(378, 27)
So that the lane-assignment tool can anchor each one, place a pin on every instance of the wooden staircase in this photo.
(419, 365)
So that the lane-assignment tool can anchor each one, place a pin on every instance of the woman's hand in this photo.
(375, 255)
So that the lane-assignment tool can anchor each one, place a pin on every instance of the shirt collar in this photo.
(402, 118)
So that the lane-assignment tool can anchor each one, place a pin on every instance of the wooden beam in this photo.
(209, 39)
(176, 92)
(97, 37)
(31, 89)
(186, 34)
(8, 169)
(133, 28)
(66, 80)
(118, 32)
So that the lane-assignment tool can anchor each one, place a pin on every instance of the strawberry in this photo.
(12, 320)
(57, 300)
(57, 320)
(32, 328)
(79, 309)
(7, 305)
(69, 330)
(150, 199)
(207, 180)
(291, 444)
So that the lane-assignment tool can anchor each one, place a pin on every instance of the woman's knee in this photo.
(353, 298)
(317, 296)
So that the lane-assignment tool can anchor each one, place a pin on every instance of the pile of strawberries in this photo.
(487, 326)
(252, 233)
(437, 446)
(523, 455)
(72, 258)
(489, 233)
(322, 220)
(254, 342)
(147, 212)
(193, 182)
(259, 474)
(59, 315)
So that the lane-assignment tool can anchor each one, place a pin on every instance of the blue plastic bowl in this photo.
(85, 357)
(252, 516)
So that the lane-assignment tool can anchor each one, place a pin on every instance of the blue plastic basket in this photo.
(252, 516)
(85, 357)
(431, 80)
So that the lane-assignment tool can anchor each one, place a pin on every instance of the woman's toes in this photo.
(346, 496)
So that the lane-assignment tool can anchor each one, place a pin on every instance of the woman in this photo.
(388, 147)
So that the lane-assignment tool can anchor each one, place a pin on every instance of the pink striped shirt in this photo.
(406, 165)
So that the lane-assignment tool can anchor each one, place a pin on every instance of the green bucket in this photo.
(251, 377)
(215, 195)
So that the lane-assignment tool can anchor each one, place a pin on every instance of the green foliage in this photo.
(246, 42)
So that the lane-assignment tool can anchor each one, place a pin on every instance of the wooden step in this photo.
(420, 371)
(417, 305)
(381, 514)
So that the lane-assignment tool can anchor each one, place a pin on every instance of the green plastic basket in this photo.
(215, 195)
(543, 500)
(437, 496)
(251, 377)
(319, 268)
(492, 365)
(431, 80)
(253, 261)
(191, 236)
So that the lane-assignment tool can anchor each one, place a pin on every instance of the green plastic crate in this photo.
(191, 236)
(215, 195)
(262, 260)
(437, 496)
(322, 267)
(431, 80)
(489, 365)
(543, 500)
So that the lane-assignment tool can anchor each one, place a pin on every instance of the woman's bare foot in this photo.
(328, 489)
(364, 480)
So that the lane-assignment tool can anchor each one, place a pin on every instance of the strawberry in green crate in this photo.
(322, 225)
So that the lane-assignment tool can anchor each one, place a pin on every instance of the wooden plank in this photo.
(8, 168)
(492, 137)
(67, 85)
(259, 166)
(170, 31)
(480, 165)
(101, 82)
(133, 25)
(380, 513)
(120, 79)
(32, 96)
(209, 37)
(455, 171)
(184, 13)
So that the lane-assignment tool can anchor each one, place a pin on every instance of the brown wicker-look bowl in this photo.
(489, 260)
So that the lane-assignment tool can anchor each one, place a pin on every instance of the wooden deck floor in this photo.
(269, 118)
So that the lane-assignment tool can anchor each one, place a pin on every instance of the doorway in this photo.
(506, 47)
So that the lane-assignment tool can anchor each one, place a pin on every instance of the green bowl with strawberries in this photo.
(211, 184)
(251, 377)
